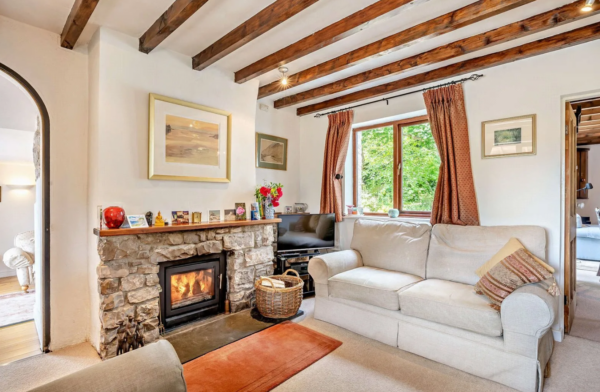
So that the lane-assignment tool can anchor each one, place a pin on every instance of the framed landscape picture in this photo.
(180, 217)
(188, 142)
(508, 137)
(271, 152)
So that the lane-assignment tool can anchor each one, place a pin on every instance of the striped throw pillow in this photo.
(515, 270)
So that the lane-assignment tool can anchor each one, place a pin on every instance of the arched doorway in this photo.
(44, 254)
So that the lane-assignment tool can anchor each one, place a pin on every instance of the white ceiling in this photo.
(217, 17)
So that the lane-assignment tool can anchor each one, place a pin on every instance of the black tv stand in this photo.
(299, 263)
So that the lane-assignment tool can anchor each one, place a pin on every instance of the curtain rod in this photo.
(472, 78)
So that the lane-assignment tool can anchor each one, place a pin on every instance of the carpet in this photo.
(259, 362)
(196, 339)
(587, 315)
(16, 308)
(359, 365)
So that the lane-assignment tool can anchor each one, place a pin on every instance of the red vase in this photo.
(113, 217)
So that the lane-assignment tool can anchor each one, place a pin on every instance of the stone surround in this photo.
(128, 283)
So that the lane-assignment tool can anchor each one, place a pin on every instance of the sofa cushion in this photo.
(511, 247)
(373, 286)
(512, 272)
(456, 252)
(394, 246)
(453, 304)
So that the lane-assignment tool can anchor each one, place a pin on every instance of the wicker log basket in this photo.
(278, 303)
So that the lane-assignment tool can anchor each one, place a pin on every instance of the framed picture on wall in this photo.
(509, 137)
(271, 152)
(188, 142)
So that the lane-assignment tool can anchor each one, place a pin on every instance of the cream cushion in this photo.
(453, 304)
(394, 246)
(511, 247)
(455, 252)
(373, 286)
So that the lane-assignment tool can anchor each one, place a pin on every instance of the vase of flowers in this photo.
(268, 197)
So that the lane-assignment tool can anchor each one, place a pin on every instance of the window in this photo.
(396, 165)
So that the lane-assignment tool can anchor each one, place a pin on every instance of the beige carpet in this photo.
(587, 315)
(360, 364)
(29, 373)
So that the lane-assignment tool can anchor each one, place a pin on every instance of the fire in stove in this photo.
(192, 287)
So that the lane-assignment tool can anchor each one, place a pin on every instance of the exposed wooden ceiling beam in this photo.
(588, 142)
(168, 22)
(78, 18)
(451, 21)
(535, 24)
(343, 28)
(265, 20)
(587, 105)
(589, 124)
(590, 117)
(546, 45)
(591, 111)
(588, 132)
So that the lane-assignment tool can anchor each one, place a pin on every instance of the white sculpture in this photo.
(21, 258)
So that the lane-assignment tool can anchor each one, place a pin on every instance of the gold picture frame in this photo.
(273, 162)
(509, 137)
(152, 172)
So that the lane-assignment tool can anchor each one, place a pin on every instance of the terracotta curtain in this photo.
(455, 201)
(336, 149)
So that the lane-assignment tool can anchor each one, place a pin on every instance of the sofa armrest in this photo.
(527, 314)
(323, 267)
(152, 368)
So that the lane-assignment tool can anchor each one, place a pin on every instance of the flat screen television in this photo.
(305, 232)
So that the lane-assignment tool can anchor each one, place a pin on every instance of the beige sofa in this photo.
(153, 368)
(411, 286)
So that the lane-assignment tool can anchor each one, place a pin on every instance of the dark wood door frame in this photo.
(45, 172)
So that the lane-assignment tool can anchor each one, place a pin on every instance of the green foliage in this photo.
(420, 168)
(377, 164)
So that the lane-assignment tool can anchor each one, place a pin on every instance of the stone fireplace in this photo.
(204, 264)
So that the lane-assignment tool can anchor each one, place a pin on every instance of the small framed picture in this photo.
(137, 221)
(229, 215)
(180, 217)
(289, 209)
(240, 211)
(271, 152)
(509, 137)
(214, 215)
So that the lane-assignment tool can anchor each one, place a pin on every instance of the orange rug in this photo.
(259, 362)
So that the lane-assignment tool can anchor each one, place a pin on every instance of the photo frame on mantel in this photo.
(509, 137)
(187, 141)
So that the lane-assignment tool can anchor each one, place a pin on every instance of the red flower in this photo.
(264, 191)
(275, 203)
(279, 192)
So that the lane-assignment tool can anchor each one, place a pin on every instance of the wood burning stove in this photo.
(192, 288)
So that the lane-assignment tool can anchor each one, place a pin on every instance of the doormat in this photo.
(259, 362)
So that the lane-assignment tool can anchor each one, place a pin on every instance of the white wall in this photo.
(16, 208)
(593, 200)
(60, 77)
(510, 191)
(120, 80)
(282, 123)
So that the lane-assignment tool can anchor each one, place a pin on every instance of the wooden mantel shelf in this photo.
(194, 226)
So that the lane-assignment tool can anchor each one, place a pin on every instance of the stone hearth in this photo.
(128, 283)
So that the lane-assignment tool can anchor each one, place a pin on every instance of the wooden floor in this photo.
(16, 341)
(9, 285)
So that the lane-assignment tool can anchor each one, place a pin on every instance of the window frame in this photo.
(397, 184)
